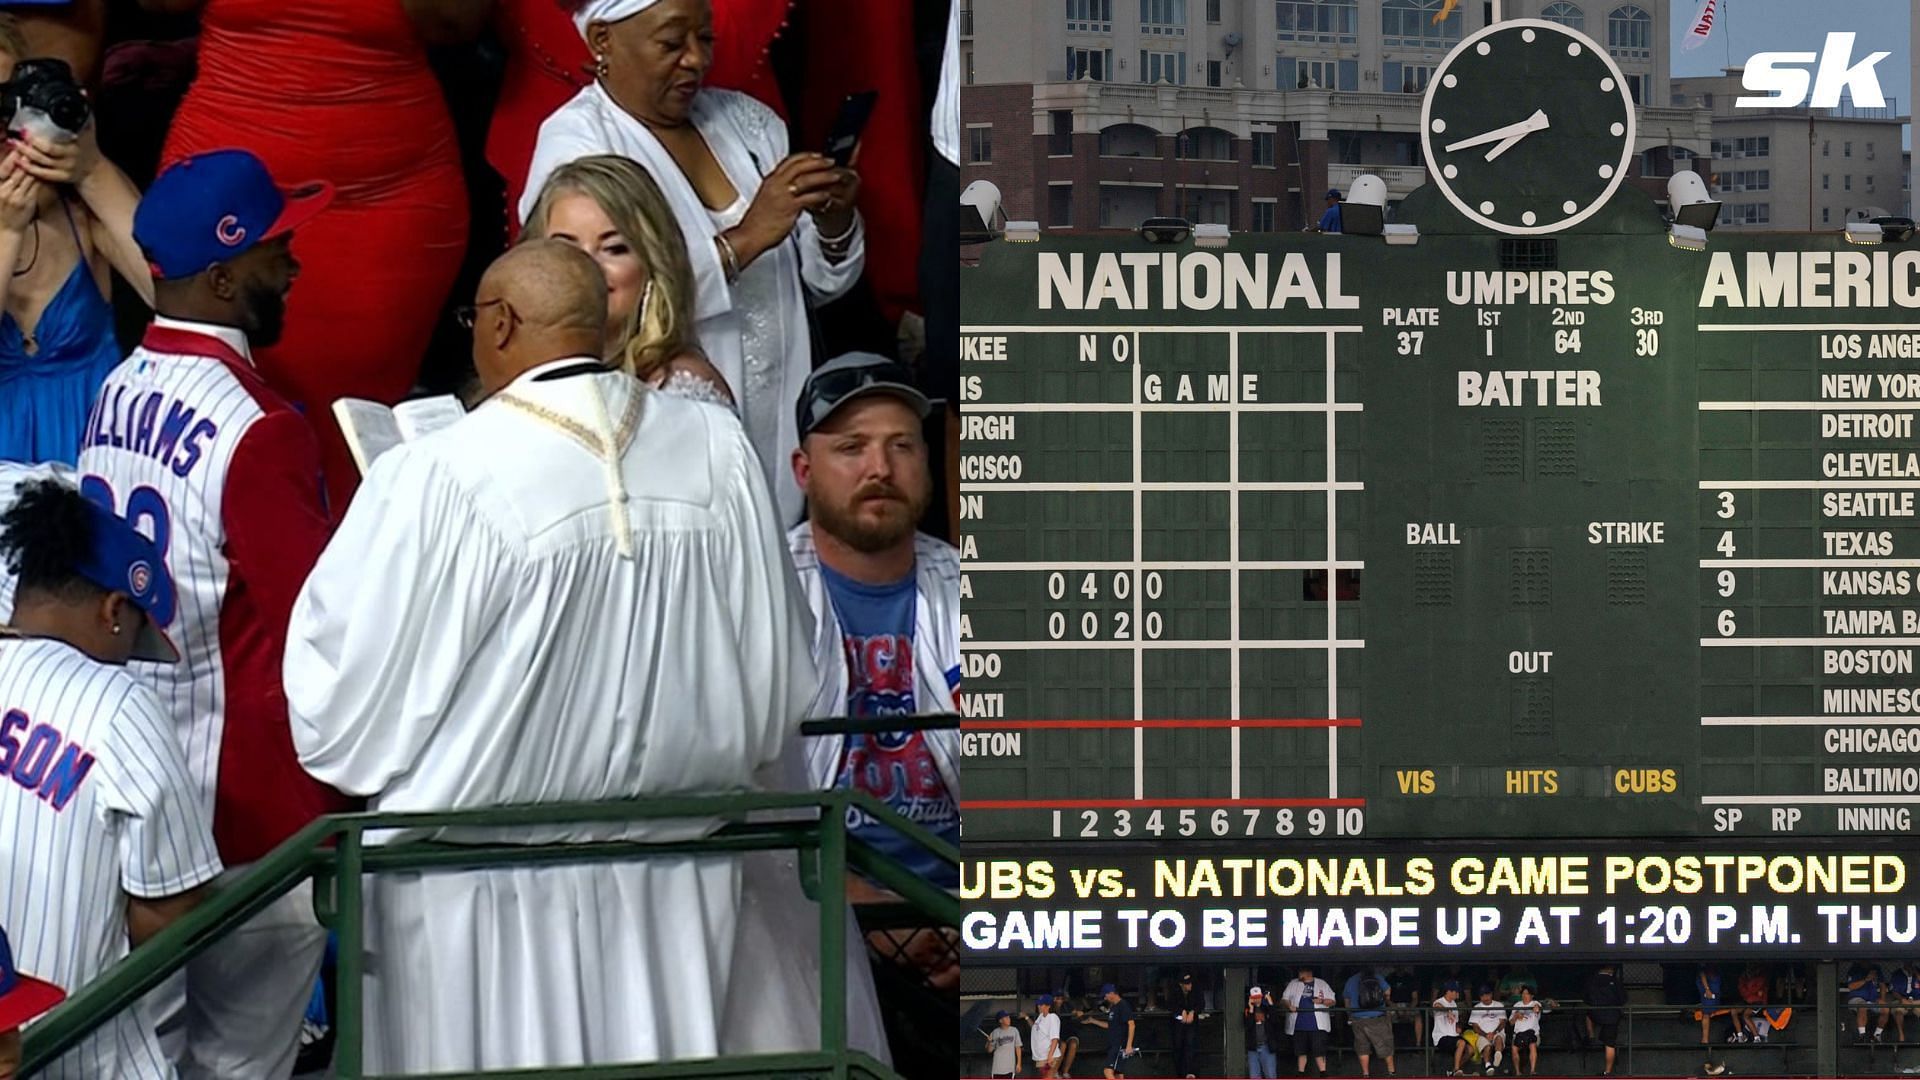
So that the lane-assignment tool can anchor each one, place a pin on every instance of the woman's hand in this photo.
(60, 161)
(801, 182)
(19, 194)
(835, 216)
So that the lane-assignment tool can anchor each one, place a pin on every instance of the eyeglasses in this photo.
(825, 391)
(467, 314)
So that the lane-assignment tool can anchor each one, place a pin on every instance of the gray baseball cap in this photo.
(853, 375)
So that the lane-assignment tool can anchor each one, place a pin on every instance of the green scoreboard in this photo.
(1319, 538)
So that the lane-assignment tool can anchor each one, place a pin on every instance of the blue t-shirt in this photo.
(1710, 994)
(1330, 220)
(898, 768)
(1304, 1017)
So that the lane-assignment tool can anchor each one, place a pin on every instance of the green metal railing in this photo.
(333, 852)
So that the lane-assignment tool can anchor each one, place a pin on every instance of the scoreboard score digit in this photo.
(1312, 537)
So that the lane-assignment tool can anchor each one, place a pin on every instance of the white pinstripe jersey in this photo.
(95, 805)
(188, 443)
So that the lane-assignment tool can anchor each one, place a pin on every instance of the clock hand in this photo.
(1511, 133)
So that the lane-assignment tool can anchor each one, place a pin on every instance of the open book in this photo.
(373, 429)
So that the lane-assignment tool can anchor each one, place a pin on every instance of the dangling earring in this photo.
(116, 629)
(600, 65)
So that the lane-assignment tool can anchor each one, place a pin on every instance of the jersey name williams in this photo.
(150, 424)
(1194, 281)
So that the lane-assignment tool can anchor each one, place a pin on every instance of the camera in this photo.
(43, 99)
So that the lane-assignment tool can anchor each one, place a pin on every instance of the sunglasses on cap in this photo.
(840, 382)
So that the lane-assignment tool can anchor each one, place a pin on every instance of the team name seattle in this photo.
(134, 422)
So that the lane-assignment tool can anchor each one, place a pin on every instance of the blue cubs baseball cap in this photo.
(212, 207)
(22, 997)
(1109, 989)
(121, 559)
(1043, 999)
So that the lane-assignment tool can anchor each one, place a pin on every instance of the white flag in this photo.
(1702, 27)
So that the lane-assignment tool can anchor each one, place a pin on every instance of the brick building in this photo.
(1091, 114)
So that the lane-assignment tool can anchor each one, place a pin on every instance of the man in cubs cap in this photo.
(236, 482)
(215, 231)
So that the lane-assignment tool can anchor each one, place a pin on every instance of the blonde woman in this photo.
(609, 207)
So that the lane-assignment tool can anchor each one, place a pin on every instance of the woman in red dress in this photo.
(341, 91)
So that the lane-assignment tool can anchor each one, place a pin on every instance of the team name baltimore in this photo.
(135, 422)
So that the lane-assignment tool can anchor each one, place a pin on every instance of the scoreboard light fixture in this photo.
(1401, 235)
(1691, 205)
(1864, 233)
(1165, 230)
(1687, 238)
(980, 214)
(1210, 235)
(1022, 232)
(1896, 230)
(1364, 212)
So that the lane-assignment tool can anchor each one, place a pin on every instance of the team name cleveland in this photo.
(151, 425)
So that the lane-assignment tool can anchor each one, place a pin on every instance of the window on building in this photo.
(1869, 181)
(1204, 144)
(1409, 24)
(1213, 10)
(1826, 181)
(1826, 148)
(1060, 205)
(1335, 22)
(1750, 146)
(1059, 132)
(967, 62)
(1746, 213)
(980, 144)
(1166, 18)
(1869, 151)
(1214, 73)
(1565, 14)
(1636, 87)
(1263, 143)
(1092, 64)
(1826, 216)
(1163, 67)
(1129, 140)
(1399, 78)
(1846, 149)
(1090, 16)
(1630, 33)
(1263, 216)
(1746, 180)
(1707, 100)
(1847, 182)
(1291, 74)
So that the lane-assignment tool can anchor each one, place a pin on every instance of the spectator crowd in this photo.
(693, 496)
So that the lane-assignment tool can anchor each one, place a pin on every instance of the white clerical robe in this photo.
(754, 331)
(475, 637)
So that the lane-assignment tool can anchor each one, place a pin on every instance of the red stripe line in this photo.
(1128, 804)
(1291, 722)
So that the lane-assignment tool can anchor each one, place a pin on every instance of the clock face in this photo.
(1528, 127)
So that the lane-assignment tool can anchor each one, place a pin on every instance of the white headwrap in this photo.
(608, 11)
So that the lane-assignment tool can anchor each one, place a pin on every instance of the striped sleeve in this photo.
(167, 845)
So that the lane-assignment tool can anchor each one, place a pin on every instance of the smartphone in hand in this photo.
(855, 111)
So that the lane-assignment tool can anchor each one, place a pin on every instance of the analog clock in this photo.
(1528, 127)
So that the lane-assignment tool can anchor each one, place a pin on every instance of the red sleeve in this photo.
(276, 521)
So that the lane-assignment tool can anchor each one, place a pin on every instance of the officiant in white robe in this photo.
(577, 592)
(767, 232)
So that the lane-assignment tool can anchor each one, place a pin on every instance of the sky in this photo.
(1746, 27)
